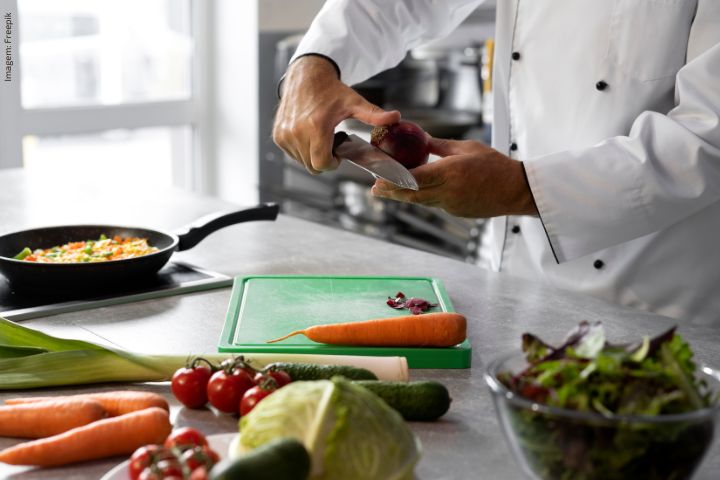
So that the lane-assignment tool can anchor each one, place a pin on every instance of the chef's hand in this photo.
(313, 102)
(471, 180)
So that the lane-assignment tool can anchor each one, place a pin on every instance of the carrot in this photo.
(43, 419)
(105, 438)
(115, 403)
(439, 329)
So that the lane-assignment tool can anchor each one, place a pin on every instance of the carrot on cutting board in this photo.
(43, 419)
(120, 435)
(115, 403)
(439, 329)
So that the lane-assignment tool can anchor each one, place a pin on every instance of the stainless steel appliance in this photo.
(438, 88)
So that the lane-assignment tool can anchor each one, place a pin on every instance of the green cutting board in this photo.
(270, 306)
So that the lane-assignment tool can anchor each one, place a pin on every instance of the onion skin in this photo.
(404, 141)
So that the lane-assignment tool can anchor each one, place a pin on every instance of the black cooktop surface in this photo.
(174, 278)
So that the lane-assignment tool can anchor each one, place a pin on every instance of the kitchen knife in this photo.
(371, 159)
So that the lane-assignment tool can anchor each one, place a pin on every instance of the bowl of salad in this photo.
(588, 409)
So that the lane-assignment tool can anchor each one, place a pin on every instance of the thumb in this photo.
(371, 114)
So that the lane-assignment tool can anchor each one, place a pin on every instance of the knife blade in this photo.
(373, 160)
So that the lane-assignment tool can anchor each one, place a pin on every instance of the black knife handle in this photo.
(339, 138)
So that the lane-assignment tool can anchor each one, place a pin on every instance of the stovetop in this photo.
(173, 279)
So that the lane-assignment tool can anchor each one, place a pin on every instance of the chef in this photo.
(604, 176)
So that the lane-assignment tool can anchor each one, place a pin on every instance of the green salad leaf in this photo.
(350, 432)
(622, 388)
(586, 373)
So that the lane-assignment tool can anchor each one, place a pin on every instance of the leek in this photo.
(33, 359)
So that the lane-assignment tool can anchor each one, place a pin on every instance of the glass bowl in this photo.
(557, 443)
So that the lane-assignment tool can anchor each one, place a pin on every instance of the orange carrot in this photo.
(105, 438)
(43, 419)
(439, 329)
(115, 403)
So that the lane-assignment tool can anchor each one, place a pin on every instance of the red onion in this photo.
(405, 141)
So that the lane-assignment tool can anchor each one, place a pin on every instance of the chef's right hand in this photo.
(313, 102)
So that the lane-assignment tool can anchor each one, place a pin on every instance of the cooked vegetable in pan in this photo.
(101, 250)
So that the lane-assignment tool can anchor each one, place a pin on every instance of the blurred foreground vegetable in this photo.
(32, 359)
(350, 433)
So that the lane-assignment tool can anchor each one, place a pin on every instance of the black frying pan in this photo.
(99, 276)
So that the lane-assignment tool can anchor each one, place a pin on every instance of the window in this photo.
(98, 84)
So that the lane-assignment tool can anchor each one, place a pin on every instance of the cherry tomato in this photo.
(185, 437)
(149, 474)
(199, 457)
(144, 457)
(165, 470)
(252, 397)
(281, 377)
(250, 371)
(225, 390)
(200, 473)
(189, 385)
(169, 469)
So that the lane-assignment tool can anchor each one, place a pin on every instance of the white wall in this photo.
(231, 101)
(284, 15)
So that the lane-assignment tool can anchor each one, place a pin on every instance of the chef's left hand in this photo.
(470, 180)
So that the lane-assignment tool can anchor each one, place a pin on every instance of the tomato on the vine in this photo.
(163, 470)
(281, 377)
(200, 457)
(227, 386)
(146, 456)
(189, 384)
(185, 437)
(252, 397)
(200, 473)
(149, 474)
(170, 468)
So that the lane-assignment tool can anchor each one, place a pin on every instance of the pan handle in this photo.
(192, 234)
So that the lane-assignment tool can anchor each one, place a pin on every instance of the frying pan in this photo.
(100, 276)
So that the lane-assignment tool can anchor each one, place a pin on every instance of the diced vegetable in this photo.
(23, 254)
(415, 305)
(99, 250)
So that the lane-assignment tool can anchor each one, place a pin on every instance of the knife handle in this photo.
(339, 138)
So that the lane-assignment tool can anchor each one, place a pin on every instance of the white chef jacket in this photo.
(614, 107)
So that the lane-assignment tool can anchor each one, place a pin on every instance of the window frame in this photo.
(16, 121)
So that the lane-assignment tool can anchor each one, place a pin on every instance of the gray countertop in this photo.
(466, 444)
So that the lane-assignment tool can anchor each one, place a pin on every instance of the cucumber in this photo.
(310, 371)
(280, 459)
(422, 401)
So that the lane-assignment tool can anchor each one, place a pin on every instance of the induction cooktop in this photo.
(173, 279)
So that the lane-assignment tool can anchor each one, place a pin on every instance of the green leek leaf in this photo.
(8, 351)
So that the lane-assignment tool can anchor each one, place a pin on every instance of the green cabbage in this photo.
(350, 432)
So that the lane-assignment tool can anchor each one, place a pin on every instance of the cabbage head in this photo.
(351, 433)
